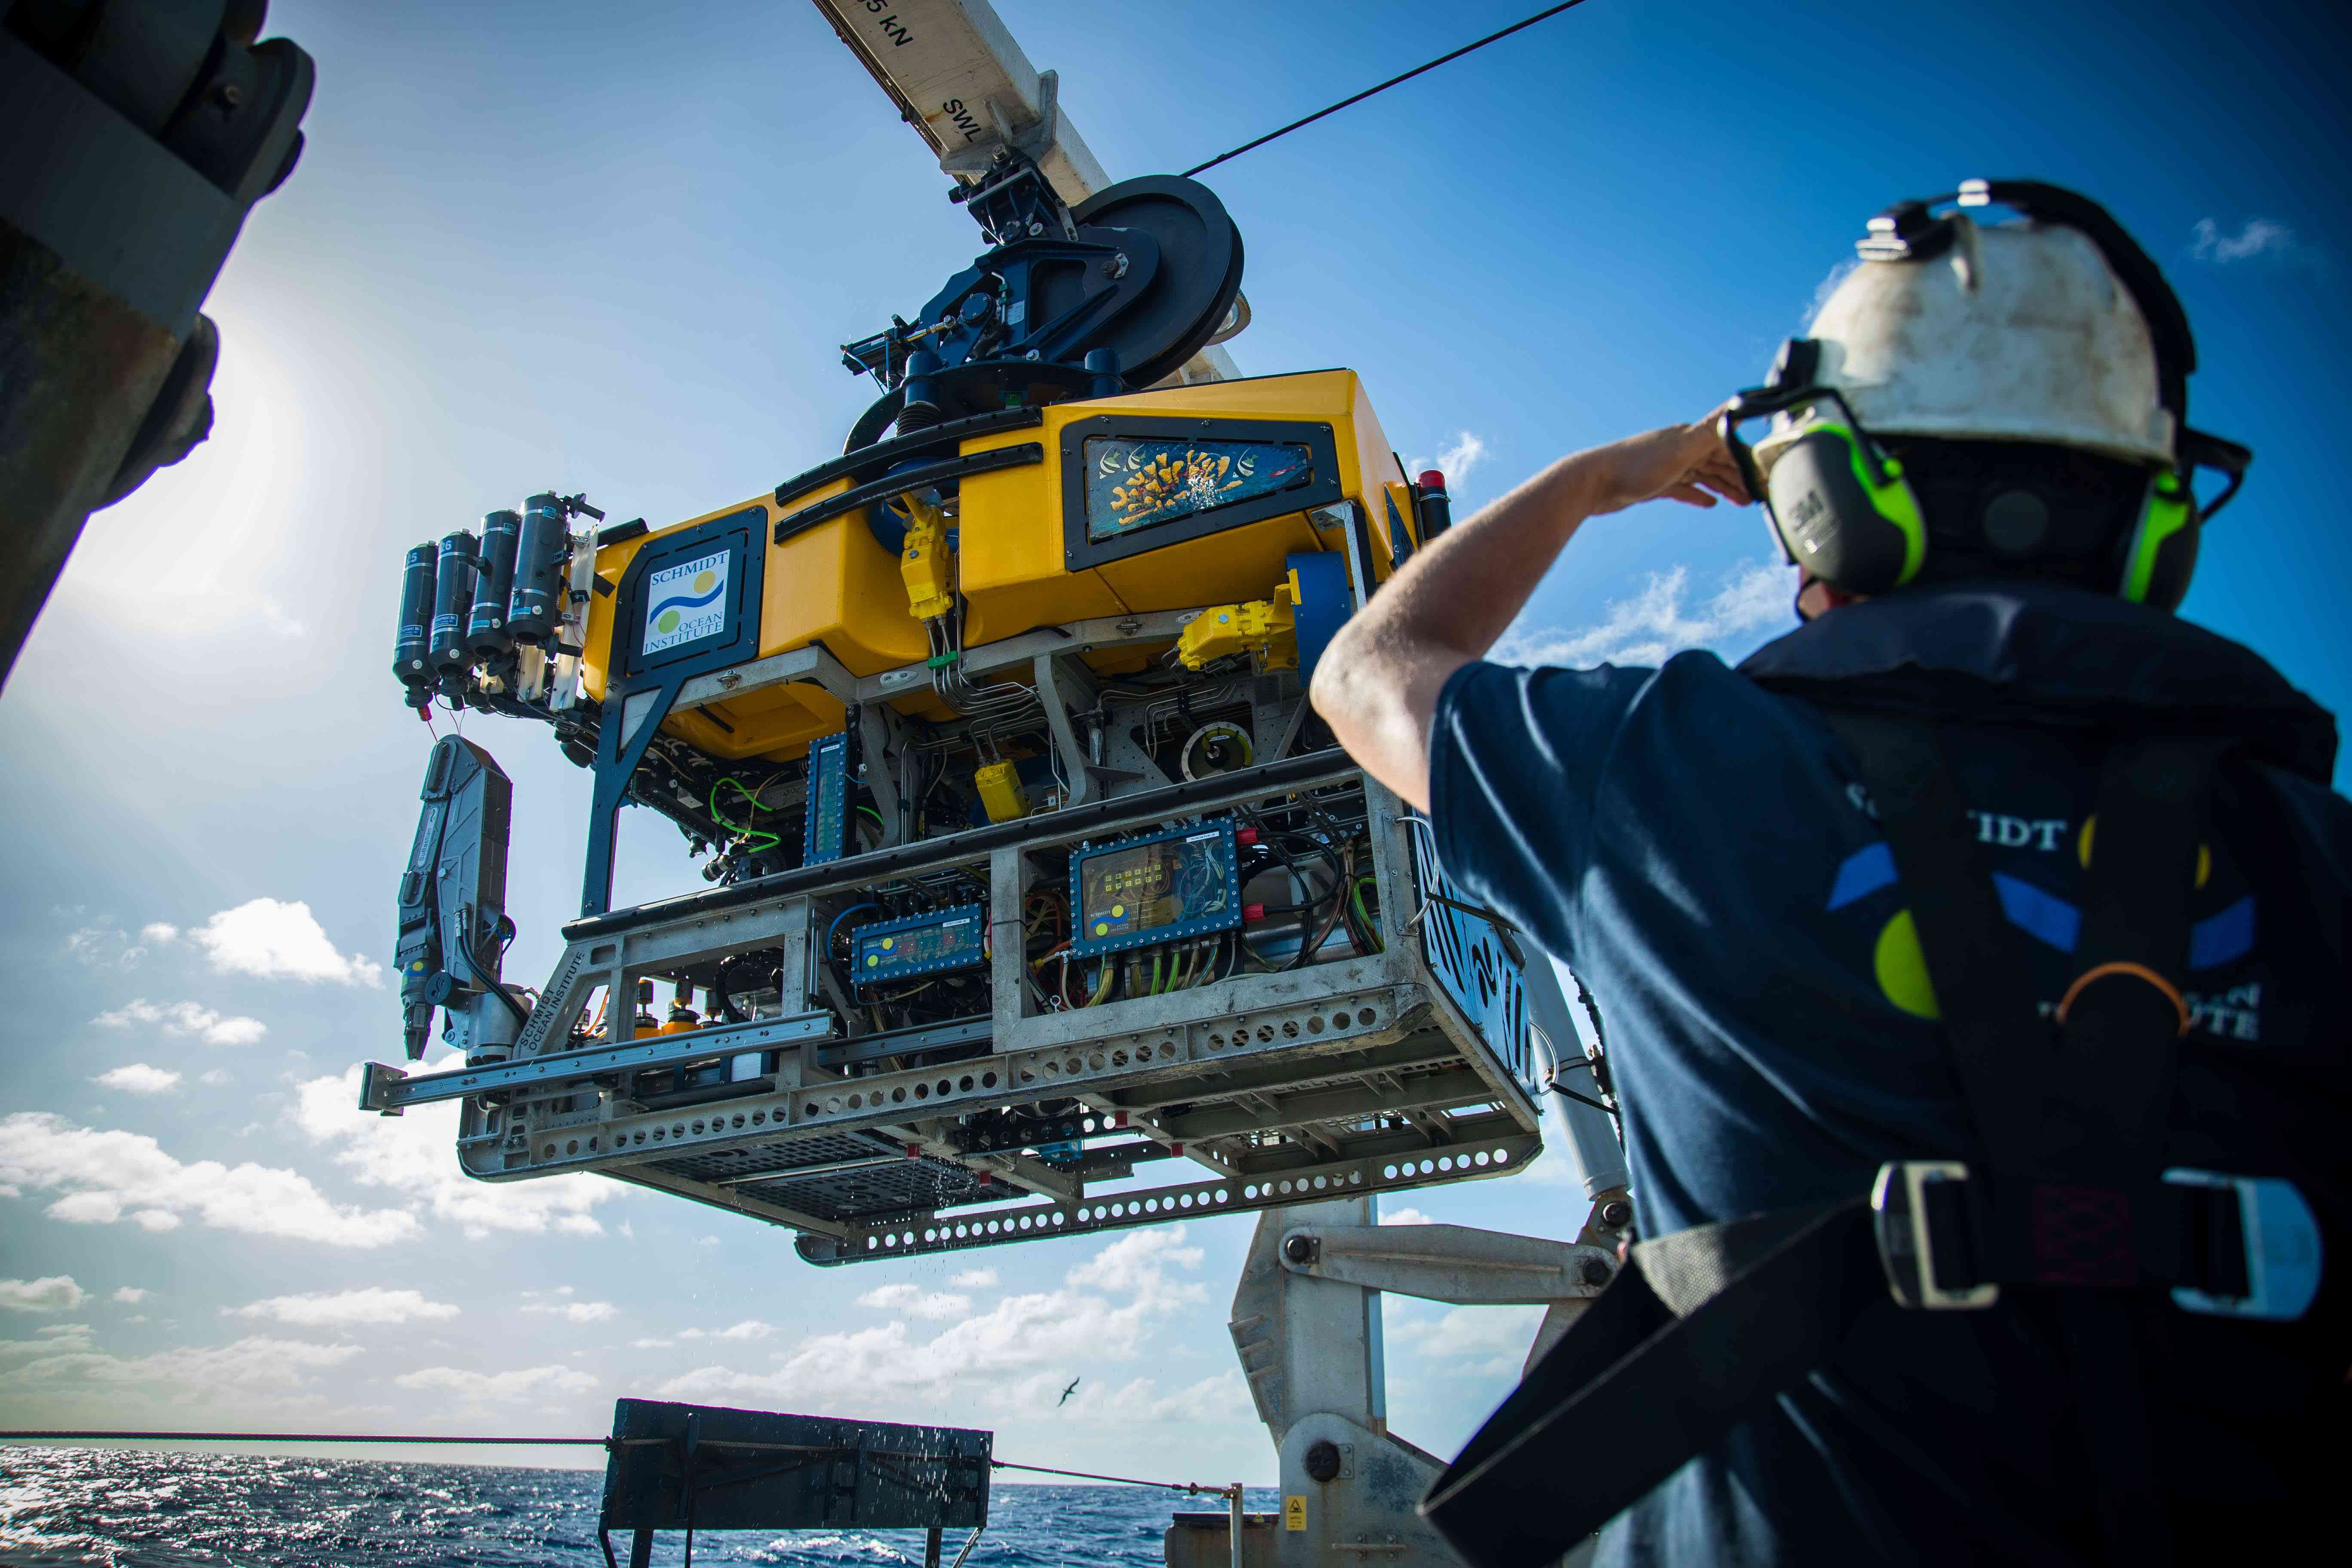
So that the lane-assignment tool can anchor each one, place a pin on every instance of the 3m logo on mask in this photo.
(686, 603)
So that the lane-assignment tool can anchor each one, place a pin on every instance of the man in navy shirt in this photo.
(1981, 467)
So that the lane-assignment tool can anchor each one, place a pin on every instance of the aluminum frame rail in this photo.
(1353, 1075)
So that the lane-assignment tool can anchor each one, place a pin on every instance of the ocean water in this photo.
(149, 1508)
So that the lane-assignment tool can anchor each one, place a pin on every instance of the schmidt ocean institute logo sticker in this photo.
(2219, 940)
(688, 601)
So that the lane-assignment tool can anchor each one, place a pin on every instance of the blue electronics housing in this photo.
(1157, 887)
(919, 944)
(1322, 607)
(826, 837)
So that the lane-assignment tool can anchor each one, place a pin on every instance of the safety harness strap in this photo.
(1714, 1321)
(1712, 1324)
(1981, 981)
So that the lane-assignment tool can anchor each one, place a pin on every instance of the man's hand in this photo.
(1377, 684)
(1679, 462)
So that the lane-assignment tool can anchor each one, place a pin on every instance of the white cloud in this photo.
(974, 1280)
(1407, 1216)
(498, 1387)
(159, 933)
(104, 1173)
(1135, 1265)
(274, 940)
(52, 1293)
(1827, 287)
(185, 1018)
(1656, 623)
(192, 1374)
(374, 1304)
(415, 1156)
(103, 947)
(277, 623)
(138, 1077)
(915, 1301)
(574, 1311)
(1499, 1334)
(1456, 462)
(57, 1339)
(1222, 1398)
(131, 1295)
(748, 1329)
(651, 1344)
(216, 1077)
(2260, 236)
(1021, 1348)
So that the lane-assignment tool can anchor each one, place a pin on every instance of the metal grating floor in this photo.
(897, 1186)
(822, 1149)
(906, 1187)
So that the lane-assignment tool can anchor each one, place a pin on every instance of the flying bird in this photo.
(1068, 1391)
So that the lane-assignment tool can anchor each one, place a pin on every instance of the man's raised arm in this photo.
(1377, 684)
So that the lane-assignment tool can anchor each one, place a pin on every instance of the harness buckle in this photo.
(1919, 1215)
(2280, 1239)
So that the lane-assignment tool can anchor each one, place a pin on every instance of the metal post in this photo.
(931, 1547)
(641, 1549)
(1235, 1514)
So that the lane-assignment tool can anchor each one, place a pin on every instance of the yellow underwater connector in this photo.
(1263, 629)
(1001, 795)
(926, 563)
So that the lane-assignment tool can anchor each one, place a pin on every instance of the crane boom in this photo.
(961, 80)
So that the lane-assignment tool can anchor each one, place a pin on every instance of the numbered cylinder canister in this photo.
(542, 551)
(453, 599)
(485, 627)
(412, 643)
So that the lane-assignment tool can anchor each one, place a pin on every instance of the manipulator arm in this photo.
(453, 902)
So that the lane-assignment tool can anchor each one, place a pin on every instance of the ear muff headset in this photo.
(2157, 554)
(1838, 502)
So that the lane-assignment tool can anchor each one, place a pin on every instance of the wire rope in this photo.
(1383, 87)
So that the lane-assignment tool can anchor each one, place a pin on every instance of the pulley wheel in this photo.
(1200, 270)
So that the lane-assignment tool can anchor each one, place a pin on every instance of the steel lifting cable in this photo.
(1383, 87)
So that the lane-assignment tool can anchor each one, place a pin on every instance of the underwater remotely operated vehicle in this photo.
(1029, 863)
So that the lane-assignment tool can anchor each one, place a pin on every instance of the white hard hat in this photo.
(2020, 331)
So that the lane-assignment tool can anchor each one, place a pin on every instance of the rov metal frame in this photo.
(1360, 1074)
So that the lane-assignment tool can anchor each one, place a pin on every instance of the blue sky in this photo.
(579, 247)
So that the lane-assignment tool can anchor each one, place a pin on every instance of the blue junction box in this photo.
(919, 944)
(1157, 887)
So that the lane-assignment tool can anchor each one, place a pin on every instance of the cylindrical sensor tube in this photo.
(412, 647)
(452, 598)
(541, 553)
(485, 627)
